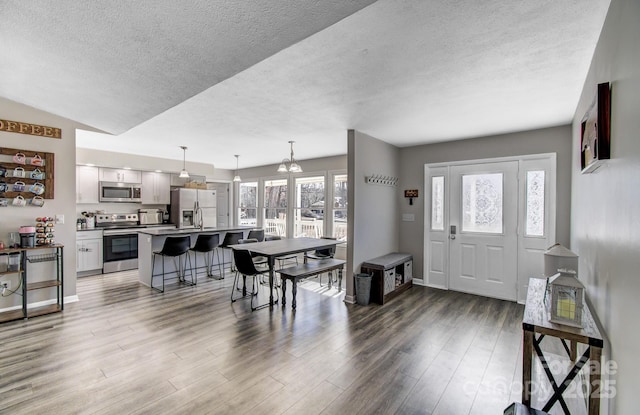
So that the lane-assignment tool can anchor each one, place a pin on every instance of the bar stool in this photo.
(174, 247)
(230, 238)
(207, 244)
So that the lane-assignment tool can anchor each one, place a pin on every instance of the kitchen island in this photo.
(151, 240)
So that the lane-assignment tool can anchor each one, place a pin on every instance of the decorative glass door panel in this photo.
(482, 203)
(483, 226)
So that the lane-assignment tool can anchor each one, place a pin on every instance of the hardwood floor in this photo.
(123, 349)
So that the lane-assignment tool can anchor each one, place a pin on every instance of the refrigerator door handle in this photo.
(197, 222)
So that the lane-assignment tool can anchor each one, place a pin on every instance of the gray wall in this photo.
(549, 140)
(309, 166)
(373, 209)
(64, 202)
(605, 228)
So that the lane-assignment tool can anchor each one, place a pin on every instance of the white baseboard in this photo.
(440, 287)
(67, 300)
(417, 281)
(350, 299)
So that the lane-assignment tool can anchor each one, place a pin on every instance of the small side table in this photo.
(536, 320)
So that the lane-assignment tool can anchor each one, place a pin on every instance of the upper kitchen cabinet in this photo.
(87, 188)
(156, 189)
(120, 175)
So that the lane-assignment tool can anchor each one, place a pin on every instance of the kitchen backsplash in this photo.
(115, 207)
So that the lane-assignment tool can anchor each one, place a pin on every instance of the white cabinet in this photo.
(156, 189)
(89, 252)
(87, 186)
(120, 175)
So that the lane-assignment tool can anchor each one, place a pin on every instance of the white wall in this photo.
(11, 218)
(137, 162)
(373, 209)
(549, 140)
(605, 228)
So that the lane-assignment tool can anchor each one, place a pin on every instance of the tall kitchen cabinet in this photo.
(156, 188)
(120, 175)
(392, 274)
(87, 186)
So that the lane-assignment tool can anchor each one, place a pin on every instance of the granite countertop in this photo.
(163, 232)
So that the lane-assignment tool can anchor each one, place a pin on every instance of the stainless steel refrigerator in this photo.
(193, 208)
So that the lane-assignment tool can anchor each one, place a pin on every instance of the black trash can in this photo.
(363, 289)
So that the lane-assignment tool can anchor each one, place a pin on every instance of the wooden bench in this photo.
(302, 271)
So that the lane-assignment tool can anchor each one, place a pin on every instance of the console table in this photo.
(536, 322)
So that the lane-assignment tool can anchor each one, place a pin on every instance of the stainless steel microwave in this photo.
(120, 192)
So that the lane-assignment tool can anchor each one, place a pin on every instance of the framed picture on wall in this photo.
(595, 140)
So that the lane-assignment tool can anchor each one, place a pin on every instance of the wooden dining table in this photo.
(273, 249)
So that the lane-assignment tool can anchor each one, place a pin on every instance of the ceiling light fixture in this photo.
(294, 167)
(184, 174)
(237, 178)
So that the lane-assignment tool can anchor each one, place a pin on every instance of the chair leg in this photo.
(220, 269)
(153, 266)
(194, 278)
(233, 287)
(207, 263)
(194, 281)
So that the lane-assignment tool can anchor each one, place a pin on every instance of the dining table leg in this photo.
(272, 261)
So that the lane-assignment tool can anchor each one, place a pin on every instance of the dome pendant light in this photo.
(237, 178)
(184, 174)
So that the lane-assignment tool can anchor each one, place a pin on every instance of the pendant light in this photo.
(184, 174)
(294, 167)
(237, 178)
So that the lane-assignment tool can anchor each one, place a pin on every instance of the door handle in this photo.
(452, 232)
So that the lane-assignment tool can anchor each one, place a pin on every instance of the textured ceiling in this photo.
(227, 78)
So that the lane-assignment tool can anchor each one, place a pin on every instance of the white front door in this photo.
(482, 229)
(487, 224)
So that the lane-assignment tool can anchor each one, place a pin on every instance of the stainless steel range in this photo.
(120, 241)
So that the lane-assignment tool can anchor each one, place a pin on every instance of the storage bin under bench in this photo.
(392, 274)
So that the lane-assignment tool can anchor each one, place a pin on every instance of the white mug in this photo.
(18, 172)
(37, 201)
(19, 201)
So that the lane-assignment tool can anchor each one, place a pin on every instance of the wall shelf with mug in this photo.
(26, 177)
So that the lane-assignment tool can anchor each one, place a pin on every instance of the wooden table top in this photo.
(287, 246)
(536, 316)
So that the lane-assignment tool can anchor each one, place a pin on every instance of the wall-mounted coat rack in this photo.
(381, 180)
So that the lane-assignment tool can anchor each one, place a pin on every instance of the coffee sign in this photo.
(30, 129)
